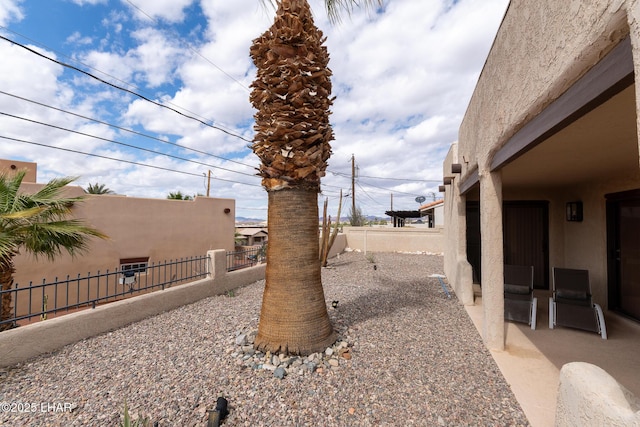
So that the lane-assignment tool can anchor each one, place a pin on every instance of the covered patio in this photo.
(532, 359)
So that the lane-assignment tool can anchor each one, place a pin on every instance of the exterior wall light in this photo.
(574, 211)
(227, 210)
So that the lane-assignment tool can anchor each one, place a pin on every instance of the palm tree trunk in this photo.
(6, 283)
(294, 316)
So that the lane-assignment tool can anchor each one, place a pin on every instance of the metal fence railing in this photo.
(71, 294)
(247, 257)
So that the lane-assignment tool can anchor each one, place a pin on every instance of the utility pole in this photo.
(209, 183)
(391, 201)
(353, 187)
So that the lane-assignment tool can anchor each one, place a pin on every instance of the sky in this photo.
(150, 97)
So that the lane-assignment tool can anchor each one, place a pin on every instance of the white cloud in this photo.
(89, 2)
(10, 11)
(168, 10)
(77, 38)
(402, 79)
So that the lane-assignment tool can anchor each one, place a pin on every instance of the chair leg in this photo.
(552, 313)
(534, 313)
(601, 324)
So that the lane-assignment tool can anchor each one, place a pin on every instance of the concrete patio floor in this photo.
(532, 359)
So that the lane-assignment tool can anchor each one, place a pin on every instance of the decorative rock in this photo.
(241, 339)
(326, 361)
(279, 373)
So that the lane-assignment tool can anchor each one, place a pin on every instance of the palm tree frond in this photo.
(52, 191)
(335, 6)
(22, 214)
(8, 245)
(9, 186)
(49, 239)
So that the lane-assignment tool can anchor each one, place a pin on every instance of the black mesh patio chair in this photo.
(519, 303)
(571, 304)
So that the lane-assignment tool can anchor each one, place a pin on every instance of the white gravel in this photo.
(416, 359)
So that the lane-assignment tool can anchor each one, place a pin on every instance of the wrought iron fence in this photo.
(246, 257)
(72, 294)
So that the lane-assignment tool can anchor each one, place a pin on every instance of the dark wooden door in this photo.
(526, 242)
(623, 241)
(474, 248)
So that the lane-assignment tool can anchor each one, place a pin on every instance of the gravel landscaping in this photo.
(406, 355)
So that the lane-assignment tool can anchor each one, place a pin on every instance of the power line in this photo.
(385, 178)
(125, 90)
(99, 71)
(189, 47)
(383, 188)
(123, 129)
(122, 143)
(122, 160)
(367, 194)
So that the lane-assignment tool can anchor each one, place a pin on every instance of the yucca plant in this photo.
(128, 422)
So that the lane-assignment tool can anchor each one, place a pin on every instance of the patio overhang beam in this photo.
(607, 78)
(471, 180)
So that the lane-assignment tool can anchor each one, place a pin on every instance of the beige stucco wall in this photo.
(11, 166)
(541, 49)
(160, 229)
(456, 267)
(404, 239)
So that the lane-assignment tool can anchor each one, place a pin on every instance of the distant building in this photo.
(433, 213)
(251, 236)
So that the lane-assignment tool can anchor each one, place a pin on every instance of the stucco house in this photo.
(141, 231)
(546, 170)
(251, 236)
(434, 213)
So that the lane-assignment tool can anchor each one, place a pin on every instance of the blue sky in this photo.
(402, 78)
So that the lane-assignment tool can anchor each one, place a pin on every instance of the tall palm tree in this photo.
(292, 96)
(36, 223)
(98, 189)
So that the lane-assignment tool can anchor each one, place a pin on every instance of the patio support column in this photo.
(492, 259)
(464, 272)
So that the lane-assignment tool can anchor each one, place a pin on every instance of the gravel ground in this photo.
(416, 359)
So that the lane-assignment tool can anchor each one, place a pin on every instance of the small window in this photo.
(130, 266)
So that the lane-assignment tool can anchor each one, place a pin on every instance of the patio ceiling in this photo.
(601, 144)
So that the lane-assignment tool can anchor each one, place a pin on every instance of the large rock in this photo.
(589, 396)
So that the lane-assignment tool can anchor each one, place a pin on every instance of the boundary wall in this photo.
(399, 239)
(25, 342)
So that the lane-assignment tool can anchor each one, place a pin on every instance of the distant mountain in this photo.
(243, 220)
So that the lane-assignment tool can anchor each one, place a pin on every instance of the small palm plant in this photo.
(179, 196)
(98, 189)
(36, 223)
